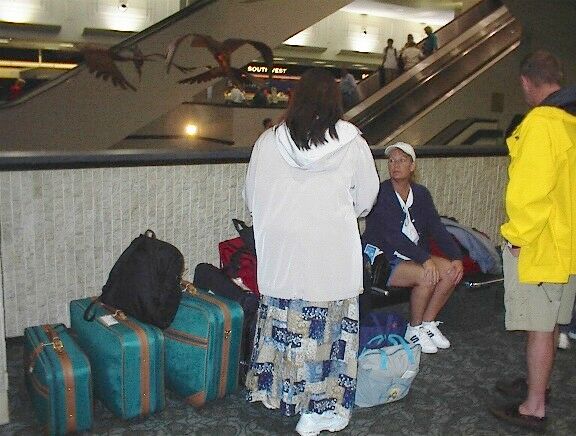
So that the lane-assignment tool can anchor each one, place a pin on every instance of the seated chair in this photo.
(378, 294)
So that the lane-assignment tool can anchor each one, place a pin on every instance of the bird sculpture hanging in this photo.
(221, 51)
(102, 62)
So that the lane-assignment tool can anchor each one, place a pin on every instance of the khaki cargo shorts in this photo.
(534, 307)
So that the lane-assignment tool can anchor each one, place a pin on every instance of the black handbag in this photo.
(145, 281)
(380, 273)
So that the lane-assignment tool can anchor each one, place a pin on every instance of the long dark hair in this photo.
(315, 106)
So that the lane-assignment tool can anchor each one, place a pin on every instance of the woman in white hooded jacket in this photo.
(308, 181)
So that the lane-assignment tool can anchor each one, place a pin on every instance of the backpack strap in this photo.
(90, 317)
(246, 232)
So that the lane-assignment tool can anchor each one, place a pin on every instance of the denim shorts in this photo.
(393, 264)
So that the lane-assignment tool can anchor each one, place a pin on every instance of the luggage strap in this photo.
(145, 363)
(226, 339)
(68, 373)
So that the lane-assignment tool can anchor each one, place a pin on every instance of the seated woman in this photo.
(399, 227)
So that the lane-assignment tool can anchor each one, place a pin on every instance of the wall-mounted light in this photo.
(191, 129)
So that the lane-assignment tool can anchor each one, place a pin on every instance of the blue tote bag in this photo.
(385, 374)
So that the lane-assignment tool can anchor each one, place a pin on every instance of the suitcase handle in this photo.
(90, 316)
(188, 287)
(56, 341)
(57, 344)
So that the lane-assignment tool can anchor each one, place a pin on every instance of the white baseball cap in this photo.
(406, 148)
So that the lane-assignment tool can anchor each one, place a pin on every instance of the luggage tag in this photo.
(108, 320)
(372, 251)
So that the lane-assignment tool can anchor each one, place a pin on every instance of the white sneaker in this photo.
(311, 424)
(571, 334)
(435, 334)
(419, 335)
(563, 341)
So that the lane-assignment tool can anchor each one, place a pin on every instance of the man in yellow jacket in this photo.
(540, 253)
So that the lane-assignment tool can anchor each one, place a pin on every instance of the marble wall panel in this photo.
(62, 230)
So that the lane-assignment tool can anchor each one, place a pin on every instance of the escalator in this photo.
(469, 45)
(77, 111)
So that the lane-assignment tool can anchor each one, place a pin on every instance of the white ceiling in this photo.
(435, 12)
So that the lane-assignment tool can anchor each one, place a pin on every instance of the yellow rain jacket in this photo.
(541, 195)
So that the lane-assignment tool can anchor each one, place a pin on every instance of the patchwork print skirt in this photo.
(305, 356)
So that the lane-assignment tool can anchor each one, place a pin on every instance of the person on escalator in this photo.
(349, 90)
(410, 55)
(430, 44)
(389, 67)
(16, 89)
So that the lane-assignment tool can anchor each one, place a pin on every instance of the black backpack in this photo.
(145, 281)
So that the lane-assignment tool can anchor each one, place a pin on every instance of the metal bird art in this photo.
(102, 62)
(221, 51)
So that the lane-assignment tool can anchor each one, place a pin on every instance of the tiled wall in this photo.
(62, 230)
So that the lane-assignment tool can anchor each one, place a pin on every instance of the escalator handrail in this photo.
(457, 128)
(467, 18)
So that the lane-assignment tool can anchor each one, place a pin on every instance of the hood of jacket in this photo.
(317, 158)
(564, 98)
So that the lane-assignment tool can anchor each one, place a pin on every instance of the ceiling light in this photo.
(66, 44)
(4, 41)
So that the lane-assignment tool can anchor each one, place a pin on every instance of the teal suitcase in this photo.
(203, 347)
(127, 358)
(58, 379)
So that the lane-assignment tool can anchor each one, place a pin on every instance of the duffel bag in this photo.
(238, 256)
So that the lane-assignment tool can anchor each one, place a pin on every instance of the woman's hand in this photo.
(431, 272)
(456, 271)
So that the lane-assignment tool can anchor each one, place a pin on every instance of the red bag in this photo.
(469, 264)
(237, 261)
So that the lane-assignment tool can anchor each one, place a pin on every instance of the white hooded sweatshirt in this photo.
(305, 205)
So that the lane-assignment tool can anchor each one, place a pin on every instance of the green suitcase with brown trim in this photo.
(127, 358)
(58, 379)
(203, 347)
